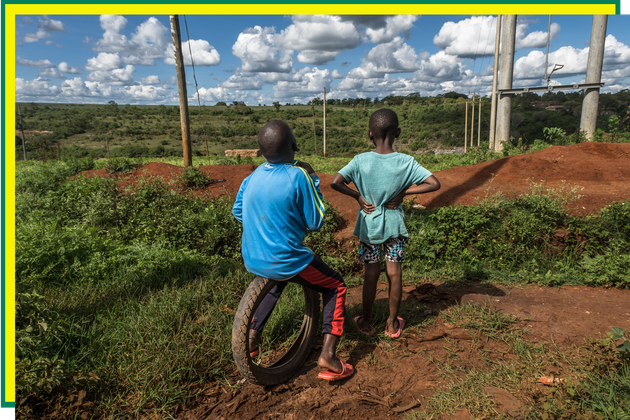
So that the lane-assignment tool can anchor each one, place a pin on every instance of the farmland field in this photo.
(127, 278)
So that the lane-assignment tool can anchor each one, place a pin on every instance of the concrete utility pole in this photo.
(504, 111)
(493, 105)
(181, 86)
(466, 130)
(479, 125)
(324, 122)
(472, 123)
(22, 130)
(588, 120)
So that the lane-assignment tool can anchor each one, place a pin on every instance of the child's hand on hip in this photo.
(365, 206)
(396, 201)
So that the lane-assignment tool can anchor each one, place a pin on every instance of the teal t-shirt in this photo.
(379, 178)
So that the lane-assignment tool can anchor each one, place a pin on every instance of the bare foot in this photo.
(333, 364)
(365, 327)
(393, 325)
(254, 339)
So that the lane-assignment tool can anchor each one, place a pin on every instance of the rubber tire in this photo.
(294, 358)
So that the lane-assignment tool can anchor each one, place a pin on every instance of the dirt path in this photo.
(402, 372)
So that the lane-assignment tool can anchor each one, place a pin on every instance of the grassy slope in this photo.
(136, 290)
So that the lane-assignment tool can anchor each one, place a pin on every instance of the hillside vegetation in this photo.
(426, 122)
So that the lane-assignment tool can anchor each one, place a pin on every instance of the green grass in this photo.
(596, 383)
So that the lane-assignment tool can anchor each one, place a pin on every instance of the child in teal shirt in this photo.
(383, 178)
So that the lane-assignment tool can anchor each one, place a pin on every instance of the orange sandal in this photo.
(329, 375)
(356, 322)
(401, 325)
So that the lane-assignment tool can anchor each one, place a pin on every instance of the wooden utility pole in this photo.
(479, 125)
(466, 130)
(22, 130)
(324, 122)
(493, 105)
(314, 135)
(472, 123)
(181, 86)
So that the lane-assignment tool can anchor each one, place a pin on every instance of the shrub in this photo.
(192, 177)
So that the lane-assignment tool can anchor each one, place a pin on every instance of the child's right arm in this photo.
(340, 184)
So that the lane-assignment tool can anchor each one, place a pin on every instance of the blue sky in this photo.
(262, 59)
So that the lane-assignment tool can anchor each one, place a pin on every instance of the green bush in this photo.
(192, 177)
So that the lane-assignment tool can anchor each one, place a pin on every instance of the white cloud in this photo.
(317, 57)
(123, 76)
(258, 52)
(203, 53)
(336, 75)
(38, 88)
(52, 73)
(320, 38)
(616, 62)
(439, 68)
(537, 39)
(303, 83)
(151, 80)
(474, 37)
(392, 57)
(37, 64)
(44, 28)
(394, 25)
(64, 67)
(104, 61)
(26, 20)
(146, 45)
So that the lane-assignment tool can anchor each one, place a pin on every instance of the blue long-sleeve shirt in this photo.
(276, 204)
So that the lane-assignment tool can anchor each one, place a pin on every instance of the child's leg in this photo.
(263, 312)
(320, 277)
(394, 255)
(370, 256)
(394, 277)
(371, 274)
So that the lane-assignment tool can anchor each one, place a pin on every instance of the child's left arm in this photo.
(428, 185)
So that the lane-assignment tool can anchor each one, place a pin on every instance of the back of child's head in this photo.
(276, 140)
(383, 122)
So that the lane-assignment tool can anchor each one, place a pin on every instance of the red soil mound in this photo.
(602, 170)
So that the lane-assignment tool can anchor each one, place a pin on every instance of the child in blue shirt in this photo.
(383, 178)
(276, 204)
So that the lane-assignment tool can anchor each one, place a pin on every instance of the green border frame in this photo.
(7, 154)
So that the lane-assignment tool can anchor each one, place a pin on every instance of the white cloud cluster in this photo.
(319, 38)
(36, 64)
(258, 51)
(203, 53)
(66, 68)
(78, 90)
(394, 25)
(616, 62)
(474, 37)
(393, 57)
(146, 45)
(44, 28)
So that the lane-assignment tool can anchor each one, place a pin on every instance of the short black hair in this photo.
(275, 139)
(383, 122)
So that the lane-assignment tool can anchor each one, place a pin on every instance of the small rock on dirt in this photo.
(506, 402)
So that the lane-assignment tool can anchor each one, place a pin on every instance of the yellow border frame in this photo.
(11, 10)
